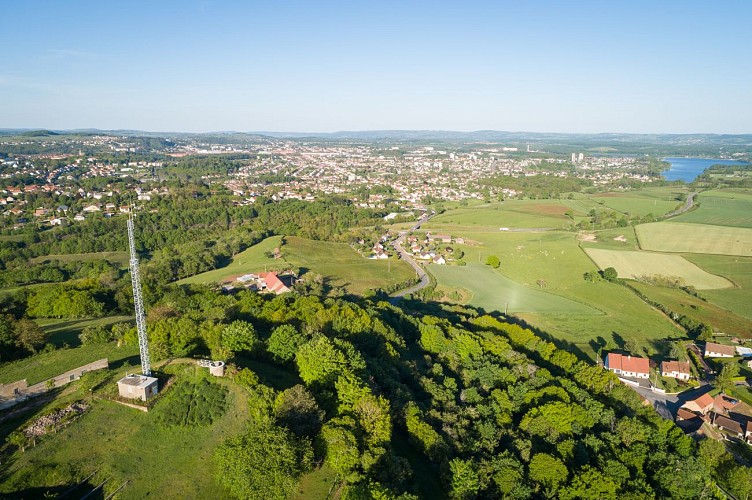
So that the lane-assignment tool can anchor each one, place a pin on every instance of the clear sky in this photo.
(283, 65)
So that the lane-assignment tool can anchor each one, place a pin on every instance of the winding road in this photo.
(407, 257)
(687, 205)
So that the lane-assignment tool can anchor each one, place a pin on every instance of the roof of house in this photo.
(724, 403)
(703, 401)
(728, 424)
(727, 350)
(628, 363)
(684, 414)
(675, 366)
(273, 283)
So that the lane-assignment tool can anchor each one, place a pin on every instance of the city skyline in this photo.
(210, 66)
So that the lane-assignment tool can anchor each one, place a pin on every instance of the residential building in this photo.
(703, 404)
(628, 366)
(713, 350)
(676, 369)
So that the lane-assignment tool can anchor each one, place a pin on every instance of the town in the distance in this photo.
(397, 314)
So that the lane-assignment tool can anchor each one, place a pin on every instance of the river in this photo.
(687, 169)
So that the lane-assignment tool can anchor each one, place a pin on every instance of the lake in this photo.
(687, 169)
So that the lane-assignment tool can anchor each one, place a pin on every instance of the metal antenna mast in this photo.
(138, 301)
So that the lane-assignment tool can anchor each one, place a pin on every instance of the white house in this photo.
(676, 369)
(713, 350)
(628, 366)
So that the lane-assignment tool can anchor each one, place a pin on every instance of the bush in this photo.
(192, 404)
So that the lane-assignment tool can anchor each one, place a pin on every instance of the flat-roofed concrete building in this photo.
(135, 386)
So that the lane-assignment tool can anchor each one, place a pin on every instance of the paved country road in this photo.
(687, 205)
(407, 257)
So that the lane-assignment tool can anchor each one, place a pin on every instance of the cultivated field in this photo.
(336, 262)
(630, 264)
(695, 238)
(494, 292)
(722, 208)
(735, 269)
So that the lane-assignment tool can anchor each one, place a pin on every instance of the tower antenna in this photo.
(138, 300)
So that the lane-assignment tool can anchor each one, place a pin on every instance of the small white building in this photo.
(676, 369)
(136, 386)
(713, 350)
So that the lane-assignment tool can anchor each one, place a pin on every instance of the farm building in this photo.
(713, 350)
(703, 404)
(727, 424)
(628, 366)
(135, 386)
(676, 369)
(274, 284)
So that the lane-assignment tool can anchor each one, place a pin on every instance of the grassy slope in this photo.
(114, 257)
(511, 213)
(65, 331)
(707, 312)
(656, 201)
(112, 438)
(722, 208)
(695, 238)
(736, 269)
(336, 261)
(631, 264)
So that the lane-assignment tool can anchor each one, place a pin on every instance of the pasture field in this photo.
(49, 364)
(492, 291)
(110, 438)
(251, 259)
(680, 302)
(65, 331)
(629, 264)
(721, 208)
(656, 201)
(622, 238)
(735, 269)
(678, 237)
(556, 258)
(510, 213)
(336, 262)
(120, 258)
(344, 267)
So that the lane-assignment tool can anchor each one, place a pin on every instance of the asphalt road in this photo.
(407, 257)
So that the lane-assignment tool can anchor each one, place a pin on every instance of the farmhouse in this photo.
(273, 283)
(703, 404)
(725, 423)
(439, 260)
(628, 366)
(444, 238)
(713, 350)
(675, 369)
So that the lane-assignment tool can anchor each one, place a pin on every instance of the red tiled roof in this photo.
(675, 366)
(683, 414)
(703, 401)
(273, 283)
(728, 350)
(628, 363)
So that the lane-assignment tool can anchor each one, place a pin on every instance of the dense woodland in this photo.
(421, 403)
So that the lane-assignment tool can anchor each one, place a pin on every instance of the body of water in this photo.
(687, 169)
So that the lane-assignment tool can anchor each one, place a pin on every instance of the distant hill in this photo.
(38, 133)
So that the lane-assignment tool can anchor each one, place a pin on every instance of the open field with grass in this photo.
(630, 264)
(49, 364)
(336, 262)
(622, 238)
(680, 237)
(510, 213)
(721, 208)
(556, 258)
(656, 201)
(110, 439)
(709, 313)
(65, 331)
(492, 291)
(735, 269)
(120, 258)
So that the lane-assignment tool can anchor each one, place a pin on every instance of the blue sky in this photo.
(282, 65)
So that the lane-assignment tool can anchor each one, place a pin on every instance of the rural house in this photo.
(703, 404)
(676, 369)
(628, 366)
(713, 350)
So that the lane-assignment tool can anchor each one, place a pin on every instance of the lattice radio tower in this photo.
(138, 301)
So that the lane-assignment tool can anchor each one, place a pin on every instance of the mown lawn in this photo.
(680, 237)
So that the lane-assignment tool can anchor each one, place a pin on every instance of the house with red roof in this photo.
(713, 350)
(628, 366)
(703, 404)
(273, 283)
(676, 369)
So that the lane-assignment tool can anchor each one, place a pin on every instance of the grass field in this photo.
(337, 262)
(493, 291)
(110, 439)
(556, 258)
(735, 269)
(656, 201)
(510, 213)
(622, 238)
(680, 302)
(65, 331)
(120, 258)
(695, 238)
(49, 364)
(629, 264)
(721, 208)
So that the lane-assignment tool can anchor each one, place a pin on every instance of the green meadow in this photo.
(721, 208)
(338, 263)
(681, 237)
